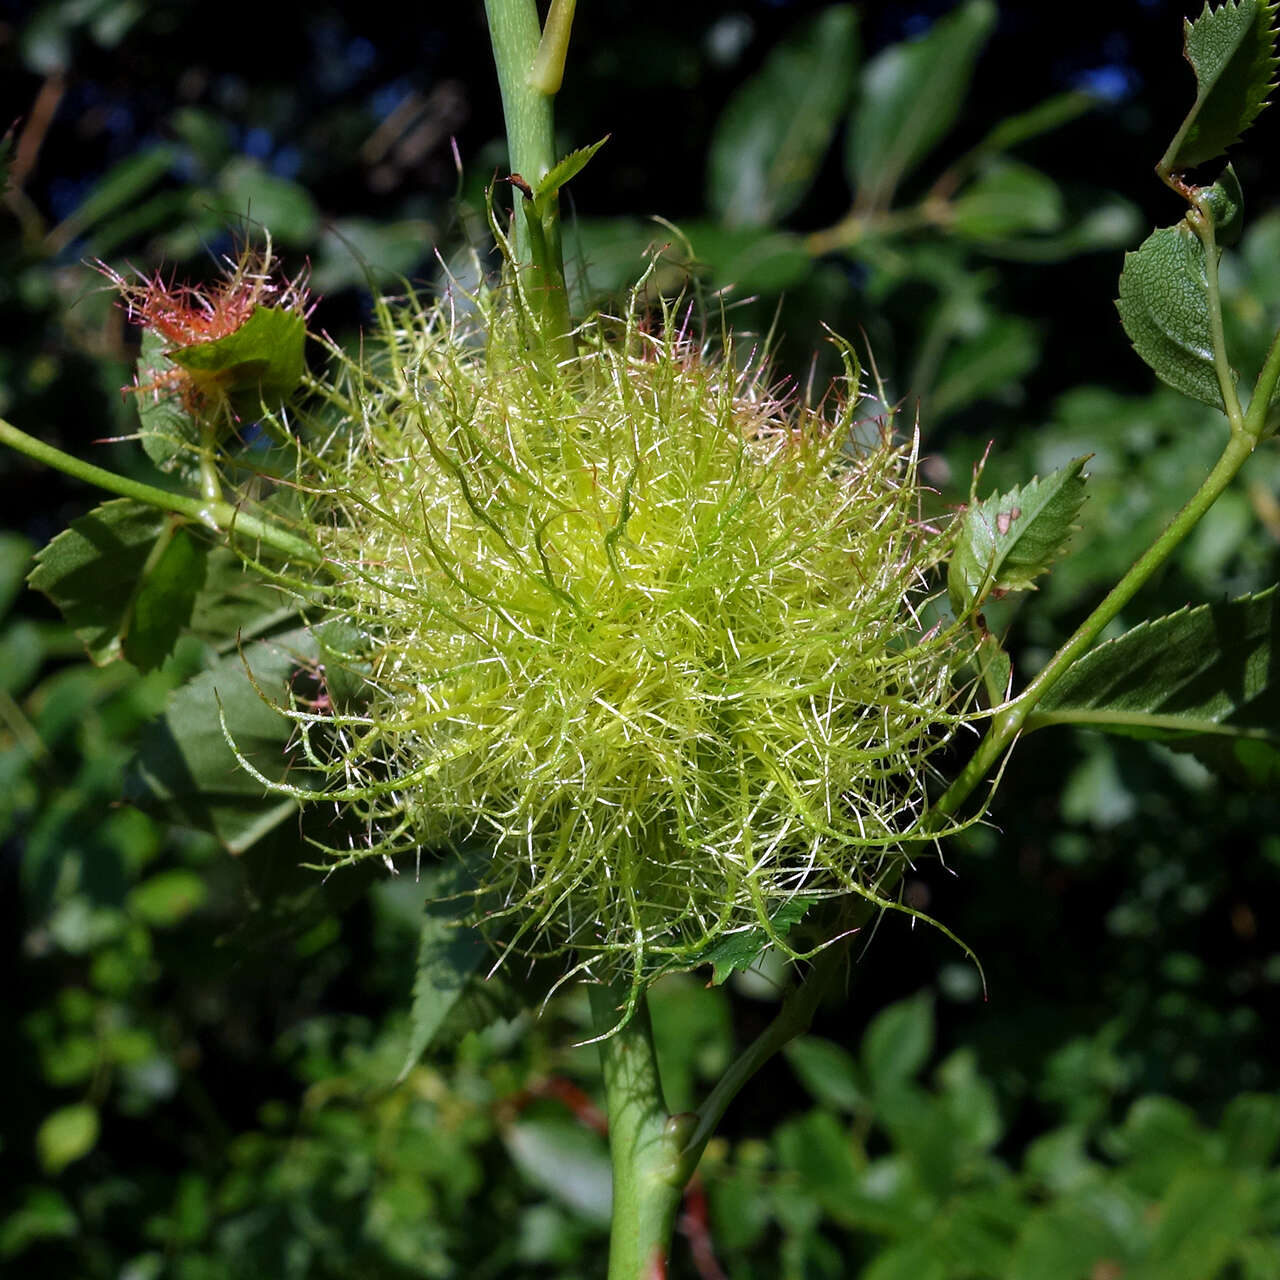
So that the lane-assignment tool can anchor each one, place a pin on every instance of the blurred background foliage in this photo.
(199, 1050)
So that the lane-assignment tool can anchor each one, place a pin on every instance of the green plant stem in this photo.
(792, 1020)
(1202, 225)
(218, 515)
(526, 110)
(1011, 720)
(645, 1141)
(1255, 420)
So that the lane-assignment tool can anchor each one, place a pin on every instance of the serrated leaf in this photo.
(561, 173)
(1204, 679)
(261, 361)
(911, 97)
(741, 950)
(770, 140)
(1164, 307)
(1010, 539)
(448, 951)
(1232, 52)
(161, 606)
(184, 768)
(108, 563)
(169, 433)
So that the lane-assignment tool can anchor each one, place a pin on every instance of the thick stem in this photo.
(218, 515)
(645, 1141)
(526, 109)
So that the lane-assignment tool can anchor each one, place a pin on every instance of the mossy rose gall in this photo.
(646, 633)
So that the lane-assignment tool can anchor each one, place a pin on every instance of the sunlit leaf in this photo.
(1232, 51)
(1010, 539)
(1164, 306)
(261, 359)
(67, 1135)
(562, 172)
(565, 1160)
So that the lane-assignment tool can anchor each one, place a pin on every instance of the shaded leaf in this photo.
(121, 186)
(169, 433)
(168, 897)
(184, 767)
(1232, 51)
(15, 560)
(750, 258)
(286, 209)
(44, 1214)
(1205, 679)
(1044, 117)
(167, 589)
(1164, 307)
(235, 604)
(828, 1072)
(741, 950)
(911, 97)
(1010, 539)
(94, 572)
(898, 1042)
(769, 143)
(448, 951)
(1007, 199)
(982, 363)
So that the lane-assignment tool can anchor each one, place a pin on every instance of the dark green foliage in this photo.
(448, 954)
(909, 98)
(763, 161)
(186, 767)
(126, 578)
(1206, 680)
(200, 1048)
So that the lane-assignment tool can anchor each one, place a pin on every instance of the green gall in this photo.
(647, 632)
